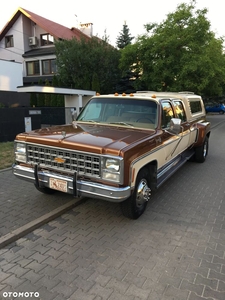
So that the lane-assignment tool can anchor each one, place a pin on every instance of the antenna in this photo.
(76, 21)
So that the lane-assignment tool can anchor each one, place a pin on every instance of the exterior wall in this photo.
(10, 75)
(33, 30)
(21, 30)
(28, 30)
(14, 53)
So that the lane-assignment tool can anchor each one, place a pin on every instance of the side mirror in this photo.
(175, 126)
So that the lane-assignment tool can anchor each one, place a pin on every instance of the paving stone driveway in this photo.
(21, 203)
(176, 250)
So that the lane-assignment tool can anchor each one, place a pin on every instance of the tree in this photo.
(60, 100)
(95, 85)
(47, 95)
(124, 38)
(54, 96)
(81, 61)
(130, 65)
(126, 83)
(41, 96)
(33, 99)
(181, 53)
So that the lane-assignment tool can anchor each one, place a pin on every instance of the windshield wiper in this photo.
(121, 123)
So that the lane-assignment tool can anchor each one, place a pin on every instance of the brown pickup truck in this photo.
(121, 148)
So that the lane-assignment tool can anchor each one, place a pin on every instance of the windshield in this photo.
(123, 112)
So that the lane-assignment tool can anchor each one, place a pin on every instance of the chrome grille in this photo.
(83, 163)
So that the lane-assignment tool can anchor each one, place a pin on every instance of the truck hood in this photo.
(85, 137)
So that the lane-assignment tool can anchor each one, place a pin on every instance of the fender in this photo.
(203, 131)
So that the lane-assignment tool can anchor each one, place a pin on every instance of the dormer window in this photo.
(9, 41)
(47, 39)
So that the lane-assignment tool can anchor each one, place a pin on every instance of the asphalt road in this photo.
(175, 250)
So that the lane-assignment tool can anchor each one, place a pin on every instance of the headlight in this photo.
(20, 152)
(112, 164)
(112, 169)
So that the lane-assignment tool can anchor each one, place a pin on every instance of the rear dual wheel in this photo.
(202, 151)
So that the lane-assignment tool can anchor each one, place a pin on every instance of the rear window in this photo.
(195, 106)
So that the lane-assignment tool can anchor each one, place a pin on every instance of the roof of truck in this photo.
(153, 95)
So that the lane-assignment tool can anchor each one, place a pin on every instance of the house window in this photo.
(33, 68)
(9, 41)
(46, 39)
(49, 66)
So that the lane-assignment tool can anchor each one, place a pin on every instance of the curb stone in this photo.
(31, 226)
(6, 169)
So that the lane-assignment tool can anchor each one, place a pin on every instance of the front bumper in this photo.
(75, 186)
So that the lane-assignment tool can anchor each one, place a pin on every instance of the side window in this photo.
(179, 110)
(195, 106)
(167, 114)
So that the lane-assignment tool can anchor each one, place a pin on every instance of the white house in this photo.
(28, 39)
(27, 54)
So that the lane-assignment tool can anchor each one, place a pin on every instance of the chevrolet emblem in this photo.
(59, 160)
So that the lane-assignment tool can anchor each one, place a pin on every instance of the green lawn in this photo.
(6, 154)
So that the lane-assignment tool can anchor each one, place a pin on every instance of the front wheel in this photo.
(202, 151)
(135, 205)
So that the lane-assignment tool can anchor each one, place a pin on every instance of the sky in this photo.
(110, 16)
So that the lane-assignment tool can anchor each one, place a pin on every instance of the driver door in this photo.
(174, 144)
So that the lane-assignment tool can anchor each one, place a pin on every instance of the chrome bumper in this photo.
(83, 188)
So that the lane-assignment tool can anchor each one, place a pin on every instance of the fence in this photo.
(13, 120)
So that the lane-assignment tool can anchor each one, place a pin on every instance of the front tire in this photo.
(202, 151)
(135, 205)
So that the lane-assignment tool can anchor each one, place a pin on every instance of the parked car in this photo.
(218, 108)
(121, 148)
